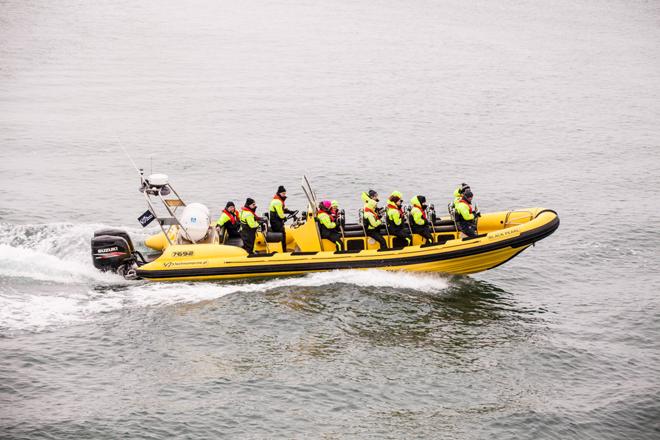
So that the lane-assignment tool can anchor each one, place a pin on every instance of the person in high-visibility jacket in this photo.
(372, 223)
(418, 219)
(277, 214)
(229, 221)
(334, 210)
(465, 215)
(372, 195)
(458, 192)
(249, 224)
(396, 217)
(327, 227)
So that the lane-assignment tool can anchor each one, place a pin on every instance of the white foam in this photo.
(56, 252)
(38, 312)
(28, 263)
(168, 293)
(370, 278)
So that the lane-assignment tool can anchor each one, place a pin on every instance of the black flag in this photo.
(146, 218)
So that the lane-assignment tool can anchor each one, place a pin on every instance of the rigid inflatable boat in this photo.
(189, 248)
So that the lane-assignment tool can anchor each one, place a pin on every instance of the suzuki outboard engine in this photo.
(112, 250)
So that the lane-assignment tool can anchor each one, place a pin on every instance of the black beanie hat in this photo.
(230, 204)
(421, 199)
(281, 189)
(249, 201)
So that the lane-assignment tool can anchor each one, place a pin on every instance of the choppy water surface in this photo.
(550, 104)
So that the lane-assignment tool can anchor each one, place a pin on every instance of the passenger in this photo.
(465, 216)
(458, 192)
(395, 217)
(372, 223)
(230, 221)
(418, 220)
(373, 195)
(334, 210)
(327, 227)
(278, 213)
(249, 225)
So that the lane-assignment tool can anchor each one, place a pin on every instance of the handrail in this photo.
(364, 230)
(156, 191)
(508, 223)
(452, 214)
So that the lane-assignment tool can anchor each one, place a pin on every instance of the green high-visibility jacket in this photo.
(277, 206)
(370, 216)
(247, 218)
(463, 208)
(457, 194)
(417, 213)
(224, 218)
(365, 197)
(325, 220)
(394, 214)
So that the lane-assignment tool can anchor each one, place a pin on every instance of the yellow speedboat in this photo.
(502, 236)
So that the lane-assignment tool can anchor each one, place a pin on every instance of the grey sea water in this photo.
(553, 104)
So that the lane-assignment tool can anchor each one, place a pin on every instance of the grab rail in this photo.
(508, 222)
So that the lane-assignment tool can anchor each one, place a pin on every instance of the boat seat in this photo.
(273, 237)
(352, 227)
(446, 228)
(383, 231)
(446, 222)
(353, 234)
(237, 241)
(229, 241)
(439, 222)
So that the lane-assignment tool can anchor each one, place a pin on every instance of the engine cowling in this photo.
(118, 233)
(111, 252)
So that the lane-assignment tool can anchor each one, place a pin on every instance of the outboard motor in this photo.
(112, 250)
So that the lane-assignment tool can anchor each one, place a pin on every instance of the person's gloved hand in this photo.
(477, 214)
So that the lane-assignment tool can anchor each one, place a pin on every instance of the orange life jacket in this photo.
(233, 218)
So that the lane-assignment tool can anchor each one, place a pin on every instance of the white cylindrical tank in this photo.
(199, 206)
(195, 221)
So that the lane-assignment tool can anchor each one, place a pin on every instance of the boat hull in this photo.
(458, 256)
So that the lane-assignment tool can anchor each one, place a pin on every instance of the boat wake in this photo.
(56, 252)
(36, 312)
(52, 282)
(42, 266)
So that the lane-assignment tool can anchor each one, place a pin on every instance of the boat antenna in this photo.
(139, 170)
